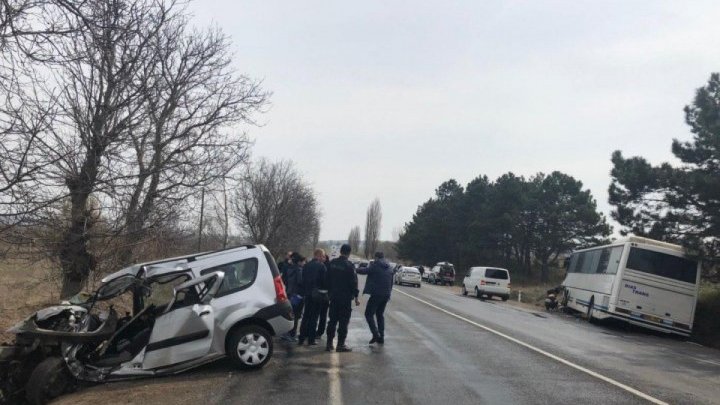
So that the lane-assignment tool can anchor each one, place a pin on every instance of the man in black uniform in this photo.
(313, 281)
(342, 286)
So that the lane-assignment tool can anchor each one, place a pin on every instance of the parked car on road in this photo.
(488, 281)
(408, 275)
(362, 267)
(442, 273)
(186, 311)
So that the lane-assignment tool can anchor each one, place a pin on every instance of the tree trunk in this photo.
(544, 273)
(75, 259)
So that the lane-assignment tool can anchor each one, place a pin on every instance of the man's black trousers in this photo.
(322, 318)
(308, 326)
(340, 312)
(376, 309)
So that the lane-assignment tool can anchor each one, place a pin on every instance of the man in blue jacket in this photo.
(379, 286)
(294, 290)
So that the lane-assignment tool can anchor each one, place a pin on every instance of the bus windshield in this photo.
(663, 265)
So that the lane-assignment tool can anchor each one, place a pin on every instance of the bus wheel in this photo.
(590, 310)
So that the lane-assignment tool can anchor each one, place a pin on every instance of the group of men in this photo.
(324, 288)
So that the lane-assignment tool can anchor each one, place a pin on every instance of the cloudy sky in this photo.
(389, 99)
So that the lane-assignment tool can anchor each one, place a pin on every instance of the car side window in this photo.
(238, 275)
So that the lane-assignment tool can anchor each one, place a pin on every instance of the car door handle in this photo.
(205, 312)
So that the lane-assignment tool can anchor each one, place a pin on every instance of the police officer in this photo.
(342, 286)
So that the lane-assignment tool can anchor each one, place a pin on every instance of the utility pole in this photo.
(202, 212)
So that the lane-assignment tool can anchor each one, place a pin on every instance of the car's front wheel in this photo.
(250, 347)
(48, 380)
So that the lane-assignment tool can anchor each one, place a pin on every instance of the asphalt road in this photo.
(443, 348)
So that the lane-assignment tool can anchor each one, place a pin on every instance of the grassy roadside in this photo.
(706, 328)
(25, 287)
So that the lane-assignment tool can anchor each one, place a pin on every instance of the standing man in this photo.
(325, 305)
(284, 265)
(342, 286)
(379, 286)
(293, 288)
(313, 280)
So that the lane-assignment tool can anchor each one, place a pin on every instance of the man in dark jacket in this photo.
(322, 317)
(342, 286)
(284, 265)
(293, 288)
(379, 286)
(313, 281)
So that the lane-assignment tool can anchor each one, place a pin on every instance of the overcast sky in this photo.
(389, 99)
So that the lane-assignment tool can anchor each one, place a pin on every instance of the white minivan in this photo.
(488, 281)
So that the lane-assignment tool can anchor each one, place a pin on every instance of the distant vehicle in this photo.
(187, 311)
(425, 275)
(362, 267)
(638, 280)
(396, 267)
(443, 273)
(408, 275)
(488, 281)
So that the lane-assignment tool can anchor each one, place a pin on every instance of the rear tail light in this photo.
(482, 282)
(508, 285)
(280, 295)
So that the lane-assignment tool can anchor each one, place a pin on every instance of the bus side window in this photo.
(614, 261)
(603, 262)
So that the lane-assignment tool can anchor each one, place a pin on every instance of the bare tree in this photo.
(108, 136)
(354, 239)
(373, 221)
(193, 99)
(275, 207)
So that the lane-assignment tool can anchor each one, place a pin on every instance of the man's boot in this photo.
(341, 347)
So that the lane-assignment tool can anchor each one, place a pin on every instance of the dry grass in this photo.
(24, 288)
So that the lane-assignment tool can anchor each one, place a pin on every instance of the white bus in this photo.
(642, 281)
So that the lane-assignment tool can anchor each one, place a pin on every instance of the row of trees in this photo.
(509, 222)
(373, 224)
(118, 118)
(677, 203)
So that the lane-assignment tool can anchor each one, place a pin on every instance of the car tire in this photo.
(250, 347)
(418, 286)
(464, 290)
(478, 294)
(490, 297)
(50, 379)
(505, 297)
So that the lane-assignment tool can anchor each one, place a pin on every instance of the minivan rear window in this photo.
(499, 274)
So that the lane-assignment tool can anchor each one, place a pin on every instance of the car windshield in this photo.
(115, 287)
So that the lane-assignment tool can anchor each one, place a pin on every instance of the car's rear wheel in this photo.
(478, 293)
(250, 347)
(505, 297)
(50, 379)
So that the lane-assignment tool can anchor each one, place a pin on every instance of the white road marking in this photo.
(543, 352)
(335, 394)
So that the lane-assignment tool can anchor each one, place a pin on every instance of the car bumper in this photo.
(494, 290)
